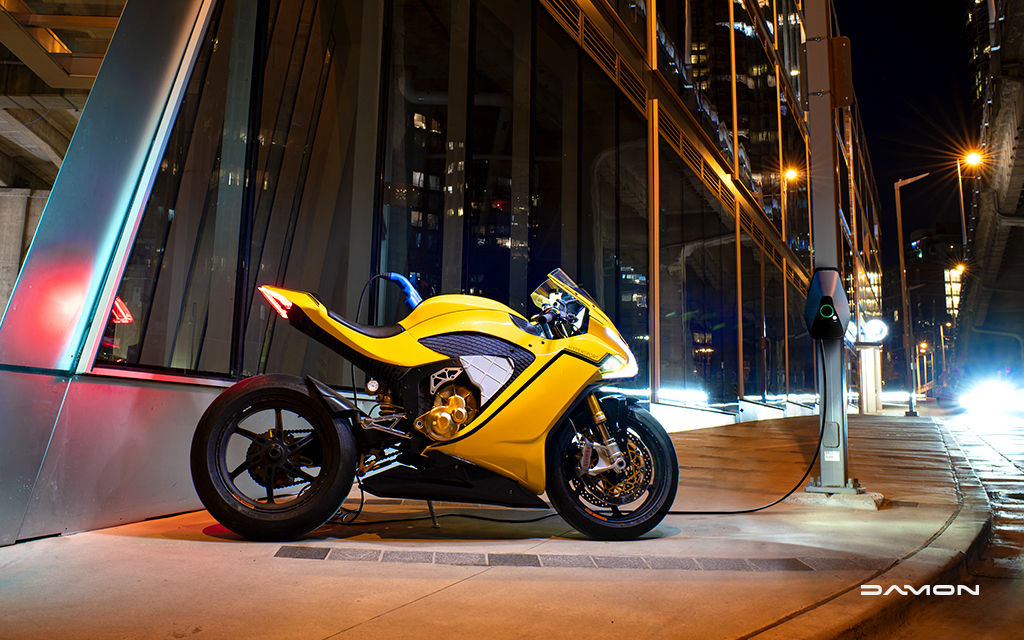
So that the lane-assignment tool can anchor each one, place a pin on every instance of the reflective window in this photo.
(613, 224)
(794, 200)
(182, 268)
(634, 15)
(758, 113)
(789, 37)
(693, 56)
(754, 353)
(801, 348)
(487, 150)
(239, 202)
(424, 146)
(775, 332)
(699, 343)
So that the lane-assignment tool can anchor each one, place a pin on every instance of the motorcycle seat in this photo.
(368, 330)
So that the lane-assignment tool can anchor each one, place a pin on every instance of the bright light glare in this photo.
(683, 396)
(991, 397)
(973, 158)
(791, 174)
(895, 397)
(875, 330)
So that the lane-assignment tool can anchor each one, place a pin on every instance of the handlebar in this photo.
(547, 317)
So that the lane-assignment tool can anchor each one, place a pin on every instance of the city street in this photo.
(994, 444)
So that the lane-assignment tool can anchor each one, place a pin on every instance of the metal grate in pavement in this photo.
(580, 561)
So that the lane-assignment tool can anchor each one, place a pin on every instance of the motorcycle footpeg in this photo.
(387, 424)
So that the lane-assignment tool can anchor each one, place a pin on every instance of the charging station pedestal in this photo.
(827, 315)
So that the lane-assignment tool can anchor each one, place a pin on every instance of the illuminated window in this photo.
(952, 281)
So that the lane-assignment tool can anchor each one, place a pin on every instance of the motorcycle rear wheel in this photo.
(611, 506)
(269, 462)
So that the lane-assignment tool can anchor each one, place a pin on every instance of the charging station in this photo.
(827, 314)
(828, 310)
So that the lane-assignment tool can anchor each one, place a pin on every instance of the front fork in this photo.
(609, 456)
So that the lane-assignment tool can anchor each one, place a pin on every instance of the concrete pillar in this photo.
(19, 214)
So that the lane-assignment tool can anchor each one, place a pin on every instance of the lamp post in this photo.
(908, 336)
(972, 159)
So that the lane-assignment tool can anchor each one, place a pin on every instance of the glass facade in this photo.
(475, 145)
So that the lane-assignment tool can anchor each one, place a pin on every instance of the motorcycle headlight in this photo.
(613, 364)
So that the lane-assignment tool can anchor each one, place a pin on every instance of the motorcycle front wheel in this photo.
(269, 462)
(614, 505)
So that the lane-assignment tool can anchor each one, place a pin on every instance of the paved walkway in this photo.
(791, 571)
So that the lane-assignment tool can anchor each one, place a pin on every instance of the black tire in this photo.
(269, 462)
(614, 506)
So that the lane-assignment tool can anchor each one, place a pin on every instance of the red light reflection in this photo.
(120, 314)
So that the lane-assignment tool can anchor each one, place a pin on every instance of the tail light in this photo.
(280, 303)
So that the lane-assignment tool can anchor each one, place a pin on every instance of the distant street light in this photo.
(908, 334)
(972, 159)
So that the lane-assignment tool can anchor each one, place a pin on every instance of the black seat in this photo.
(368, 330)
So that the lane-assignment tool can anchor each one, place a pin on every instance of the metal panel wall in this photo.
(119, 453)
(30, 405)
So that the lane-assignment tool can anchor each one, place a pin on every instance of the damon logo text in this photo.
(926, 590)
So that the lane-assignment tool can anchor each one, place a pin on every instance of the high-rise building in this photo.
(990, 336)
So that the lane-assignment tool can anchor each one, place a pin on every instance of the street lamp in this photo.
(908, 335)
(972, 159)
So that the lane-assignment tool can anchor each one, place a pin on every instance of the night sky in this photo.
(911, 78)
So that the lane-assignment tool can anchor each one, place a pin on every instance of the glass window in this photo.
(693, 56)
(699, 343)
(554, 147)
(754, 354)
(794, 187)
(802, 381)
(790, 37)
(421, 135)
(496, 127)
(215, 226)
(613, 225)
(179, 282)
(758, 112)
(634, 14)
(775, 332)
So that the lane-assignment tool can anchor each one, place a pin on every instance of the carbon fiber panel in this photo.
(455, 345)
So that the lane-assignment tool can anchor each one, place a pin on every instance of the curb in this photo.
(944, 559)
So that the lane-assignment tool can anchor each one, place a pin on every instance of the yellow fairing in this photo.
(512, 441)
(509, 435)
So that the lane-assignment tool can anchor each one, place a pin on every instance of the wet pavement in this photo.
(791, 571)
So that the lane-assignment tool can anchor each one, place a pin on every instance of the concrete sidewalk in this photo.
(791, 571)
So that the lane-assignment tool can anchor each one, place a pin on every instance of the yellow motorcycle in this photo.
(472, 402)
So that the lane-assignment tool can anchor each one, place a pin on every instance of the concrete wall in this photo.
(19, 215)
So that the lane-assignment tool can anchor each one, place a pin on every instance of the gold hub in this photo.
(454, 406)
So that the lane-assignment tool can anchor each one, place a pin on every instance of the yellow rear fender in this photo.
(389, 345)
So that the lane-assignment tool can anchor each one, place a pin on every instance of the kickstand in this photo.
(433, 516)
